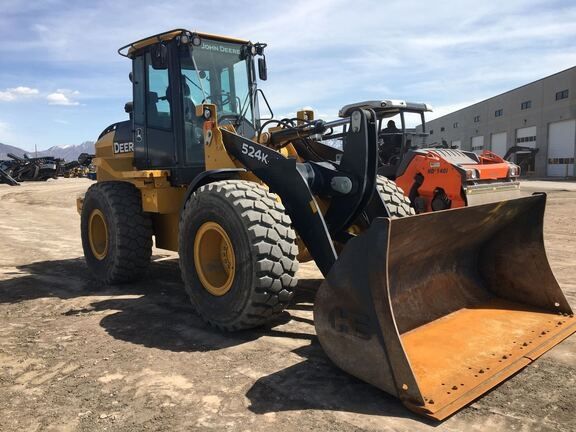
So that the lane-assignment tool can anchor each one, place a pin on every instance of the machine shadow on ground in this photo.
(316, 384)
(156, 313)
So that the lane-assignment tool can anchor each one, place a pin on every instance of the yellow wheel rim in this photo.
(214, 258)
(98, 234)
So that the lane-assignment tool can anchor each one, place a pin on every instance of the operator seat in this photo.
(188, 104)
(192, 128)
(152, 109)
(390, 144)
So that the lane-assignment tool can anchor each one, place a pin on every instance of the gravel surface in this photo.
(77, 356)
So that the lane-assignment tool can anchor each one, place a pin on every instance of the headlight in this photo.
(207, 114)
(514, 171)
(472, 174)
(196, 41)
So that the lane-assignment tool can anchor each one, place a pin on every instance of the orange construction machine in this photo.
(436, 178)
(439, 179)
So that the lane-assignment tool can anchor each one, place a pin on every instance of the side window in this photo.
(241, 90)
(157, 97)
(226, 94)
(139, 91)
(193, 83)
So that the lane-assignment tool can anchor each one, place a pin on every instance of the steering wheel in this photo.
(223, 95)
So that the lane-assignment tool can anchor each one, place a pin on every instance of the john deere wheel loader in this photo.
(434, 308)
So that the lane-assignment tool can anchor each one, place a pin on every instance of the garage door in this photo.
(456, 144)
(526, 137)
(498, 144)
(561, 148)
(477, 144)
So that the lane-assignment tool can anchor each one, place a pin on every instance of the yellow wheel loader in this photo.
(435, 308)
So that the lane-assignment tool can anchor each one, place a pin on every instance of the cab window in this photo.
(158, 104)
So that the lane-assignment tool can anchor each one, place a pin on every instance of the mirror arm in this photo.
(265, 101)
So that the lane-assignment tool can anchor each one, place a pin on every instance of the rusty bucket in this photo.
(438, 308)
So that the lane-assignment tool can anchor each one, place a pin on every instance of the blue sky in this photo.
(62, 82)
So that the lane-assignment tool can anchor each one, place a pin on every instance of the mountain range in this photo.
(66, 152)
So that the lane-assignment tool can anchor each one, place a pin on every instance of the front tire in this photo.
(116, 233)
(397, 203)
(237, 254)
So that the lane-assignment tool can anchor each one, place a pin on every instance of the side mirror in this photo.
(159, 54)
(262, 70)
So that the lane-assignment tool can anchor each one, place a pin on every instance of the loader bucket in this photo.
(438, 308)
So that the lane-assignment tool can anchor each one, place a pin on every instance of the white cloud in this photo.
(24, 91)
(63, 97)
(12, 94)
(320, 53)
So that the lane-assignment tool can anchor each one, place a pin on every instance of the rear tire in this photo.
(253, 224)
(116, 233)
(396, 201)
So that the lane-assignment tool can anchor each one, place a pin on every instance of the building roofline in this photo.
(503, 93)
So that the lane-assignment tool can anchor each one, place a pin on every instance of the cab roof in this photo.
(129, 49)
(385, 108)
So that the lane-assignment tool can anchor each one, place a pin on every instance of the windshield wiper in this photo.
(195, 85)
(198, 75)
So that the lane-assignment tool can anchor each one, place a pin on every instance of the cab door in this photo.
(154, 140)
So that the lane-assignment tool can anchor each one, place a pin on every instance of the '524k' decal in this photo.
(251, 151)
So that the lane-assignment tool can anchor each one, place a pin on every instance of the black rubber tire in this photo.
(129, 232)
(396, 201)
(265, 251)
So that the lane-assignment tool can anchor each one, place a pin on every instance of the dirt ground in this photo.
(76, 356)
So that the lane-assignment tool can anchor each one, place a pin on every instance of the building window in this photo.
(442, 129)
(477, 119)
(526, 139)
(431, 131)
(455, 125)
(562, 94)
(526, 105)
(498, 112)
(555, 161)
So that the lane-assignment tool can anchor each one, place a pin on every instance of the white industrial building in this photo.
(539, 115)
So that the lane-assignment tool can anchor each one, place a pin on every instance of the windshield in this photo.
(215, 73)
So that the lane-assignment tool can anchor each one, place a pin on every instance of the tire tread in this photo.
(134, 231)
(273, 247)
(396, 201)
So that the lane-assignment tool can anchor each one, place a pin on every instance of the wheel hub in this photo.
(214, 258)
(98, 234)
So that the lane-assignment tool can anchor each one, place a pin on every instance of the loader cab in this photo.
(397, 130)
(172, 76)
(397, 133)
